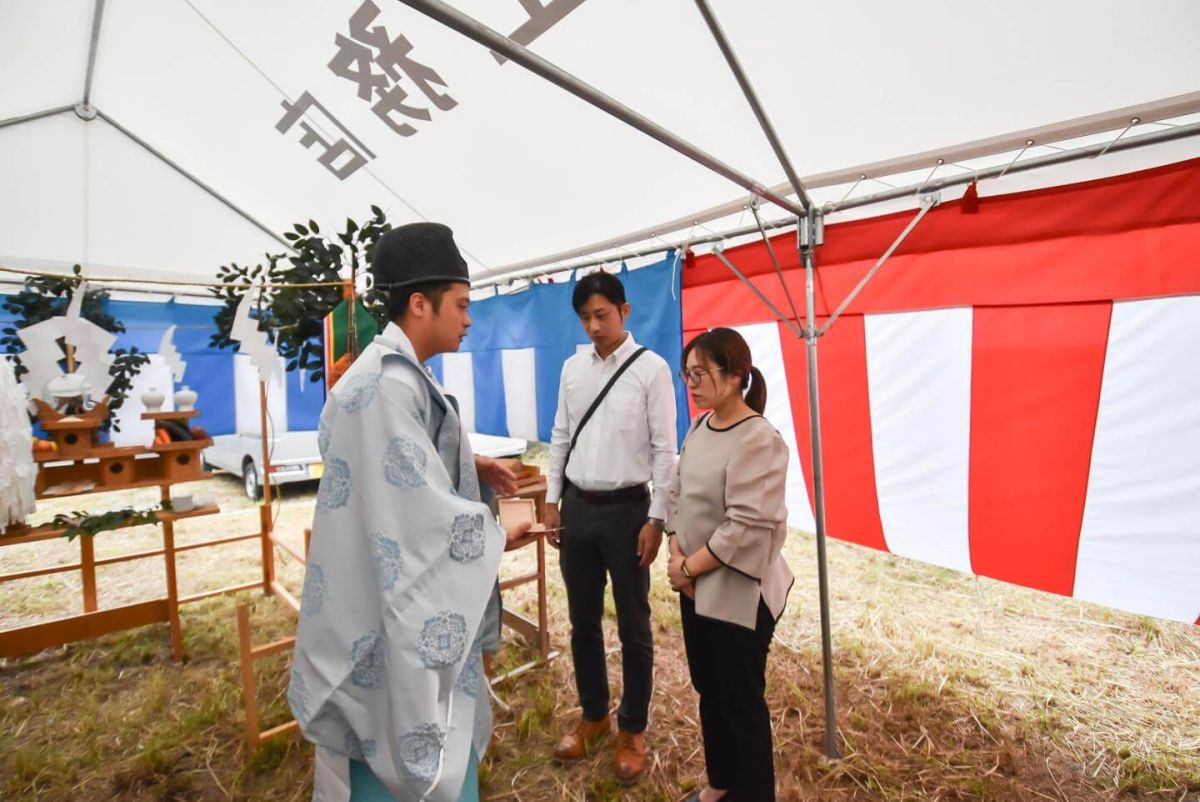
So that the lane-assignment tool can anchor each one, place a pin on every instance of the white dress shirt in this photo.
(631, 437)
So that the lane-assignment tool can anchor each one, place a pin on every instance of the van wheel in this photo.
(253, 487)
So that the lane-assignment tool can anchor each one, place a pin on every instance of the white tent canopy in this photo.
(518, 167)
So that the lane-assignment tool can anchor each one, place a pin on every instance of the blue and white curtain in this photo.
(505, 376)
(213, 373)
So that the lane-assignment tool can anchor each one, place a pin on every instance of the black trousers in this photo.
(599, 541)
(728, 664)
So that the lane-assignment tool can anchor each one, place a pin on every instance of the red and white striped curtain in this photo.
(1016, 394)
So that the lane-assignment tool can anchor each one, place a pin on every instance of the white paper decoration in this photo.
(166, 349)
(90, 342)
(17, 470)
(254, 343)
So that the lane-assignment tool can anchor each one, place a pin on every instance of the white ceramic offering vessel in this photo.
(153, 400)
(185, 399)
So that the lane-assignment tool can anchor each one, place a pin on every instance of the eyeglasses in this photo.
(693, 377)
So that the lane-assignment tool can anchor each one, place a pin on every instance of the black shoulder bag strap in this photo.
(587, 416)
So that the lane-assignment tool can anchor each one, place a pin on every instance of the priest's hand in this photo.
(496, 474)
(553, 521)
(519, 536)
(649, 540)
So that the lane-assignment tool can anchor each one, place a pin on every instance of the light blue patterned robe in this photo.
(400, 595)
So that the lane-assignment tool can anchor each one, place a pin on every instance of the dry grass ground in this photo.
(948, 688)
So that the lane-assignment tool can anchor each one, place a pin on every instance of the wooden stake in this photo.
(177, 653)
(87, 570)
(249, 693)
(265, 522)
(543, 612)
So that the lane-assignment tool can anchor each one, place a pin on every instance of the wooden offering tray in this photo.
(517, 511)
(183, 414)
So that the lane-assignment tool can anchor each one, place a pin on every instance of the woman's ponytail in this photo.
(756, 395)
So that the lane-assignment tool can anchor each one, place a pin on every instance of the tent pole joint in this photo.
(811, 229)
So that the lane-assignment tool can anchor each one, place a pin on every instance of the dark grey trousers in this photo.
(728, 664)
(599, 541)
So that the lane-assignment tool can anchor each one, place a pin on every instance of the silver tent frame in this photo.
(808, 219)
(809, 222)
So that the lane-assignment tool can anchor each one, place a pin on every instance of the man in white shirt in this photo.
(612, 523)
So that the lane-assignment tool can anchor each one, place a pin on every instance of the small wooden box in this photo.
(116, 466)
(516, 511)
(181, 461)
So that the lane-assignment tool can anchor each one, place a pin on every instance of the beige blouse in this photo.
(728, 497)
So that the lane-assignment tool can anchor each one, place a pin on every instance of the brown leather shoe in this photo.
(576, 745)
(630, 761)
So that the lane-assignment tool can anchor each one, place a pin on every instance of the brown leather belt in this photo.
(618, 496)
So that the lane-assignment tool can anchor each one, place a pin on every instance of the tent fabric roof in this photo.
(518, 167)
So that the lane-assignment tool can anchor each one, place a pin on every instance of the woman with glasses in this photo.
(727, 524)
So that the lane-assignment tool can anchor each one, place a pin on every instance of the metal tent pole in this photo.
(93, 45)
(756, 106)
(37, 115)
(809, 237)
(927, 203)
(475, 30)
(787, 321)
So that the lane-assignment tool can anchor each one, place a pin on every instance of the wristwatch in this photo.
(657, 522)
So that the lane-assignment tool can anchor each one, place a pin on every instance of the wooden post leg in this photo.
(176, 628)
(173, 624)
(543, 612)
(268, 549)
(265, 522)
(249, 693)
(87, 570)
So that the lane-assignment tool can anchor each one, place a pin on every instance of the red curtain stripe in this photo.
(1035, 391)
(851, 503)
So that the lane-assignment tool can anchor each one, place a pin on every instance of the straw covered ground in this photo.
(948, 687)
